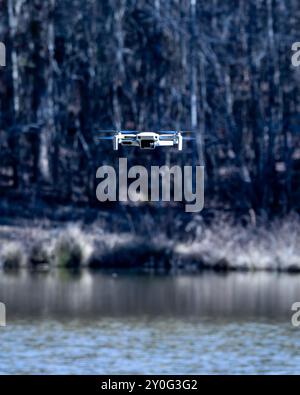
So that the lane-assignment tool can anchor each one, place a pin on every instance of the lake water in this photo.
(106, 323)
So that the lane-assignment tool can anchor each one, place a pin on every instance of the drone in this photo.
(146, 140)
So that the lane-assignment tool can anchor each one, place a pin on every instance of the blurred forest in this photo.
(219, 68)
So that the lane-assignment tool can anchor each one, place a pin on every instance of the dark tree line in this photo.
(220, 68)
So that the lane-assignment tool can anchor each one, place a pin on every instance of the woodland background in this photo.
(220, 68)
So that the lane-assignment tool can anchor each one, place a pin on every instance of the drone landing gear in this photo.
(116, 143)
(179, 143)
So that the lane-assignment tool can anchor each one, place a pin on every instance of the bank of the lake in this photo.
(192, 246)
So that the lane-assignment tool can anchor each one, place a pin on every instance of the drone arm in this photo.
(116, 142)
(179, 142)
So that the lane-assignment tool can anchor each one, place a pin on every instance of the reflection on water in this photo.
(94, 295)
(103, 323)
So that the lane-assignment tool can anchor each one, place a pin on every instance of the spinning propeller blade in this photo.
(167, 136)
(174, 131)
(107, 131)
(105, 138)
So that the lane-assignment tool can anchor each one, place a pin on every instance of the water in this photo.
(104, 323)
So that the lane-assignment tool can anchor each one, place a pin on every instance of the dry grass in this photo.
(12, 255)
(72, 247)
(218, 246)
(276, 247)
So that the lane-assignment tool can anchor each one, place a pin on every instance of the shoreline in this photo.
(218, 246)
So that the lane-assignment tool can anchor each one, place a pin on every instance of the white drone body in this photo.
(146, 140)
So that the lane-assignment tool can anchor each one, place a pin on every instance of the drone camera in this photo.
(147, 144)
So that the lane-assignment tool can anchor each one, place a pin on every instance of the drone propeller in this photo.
(107, 131)
(167, 131)
(167, 136)
(174, 131)
(105, 138)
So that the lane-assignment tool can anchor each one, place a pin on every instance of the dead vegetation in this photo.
(218, 246)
